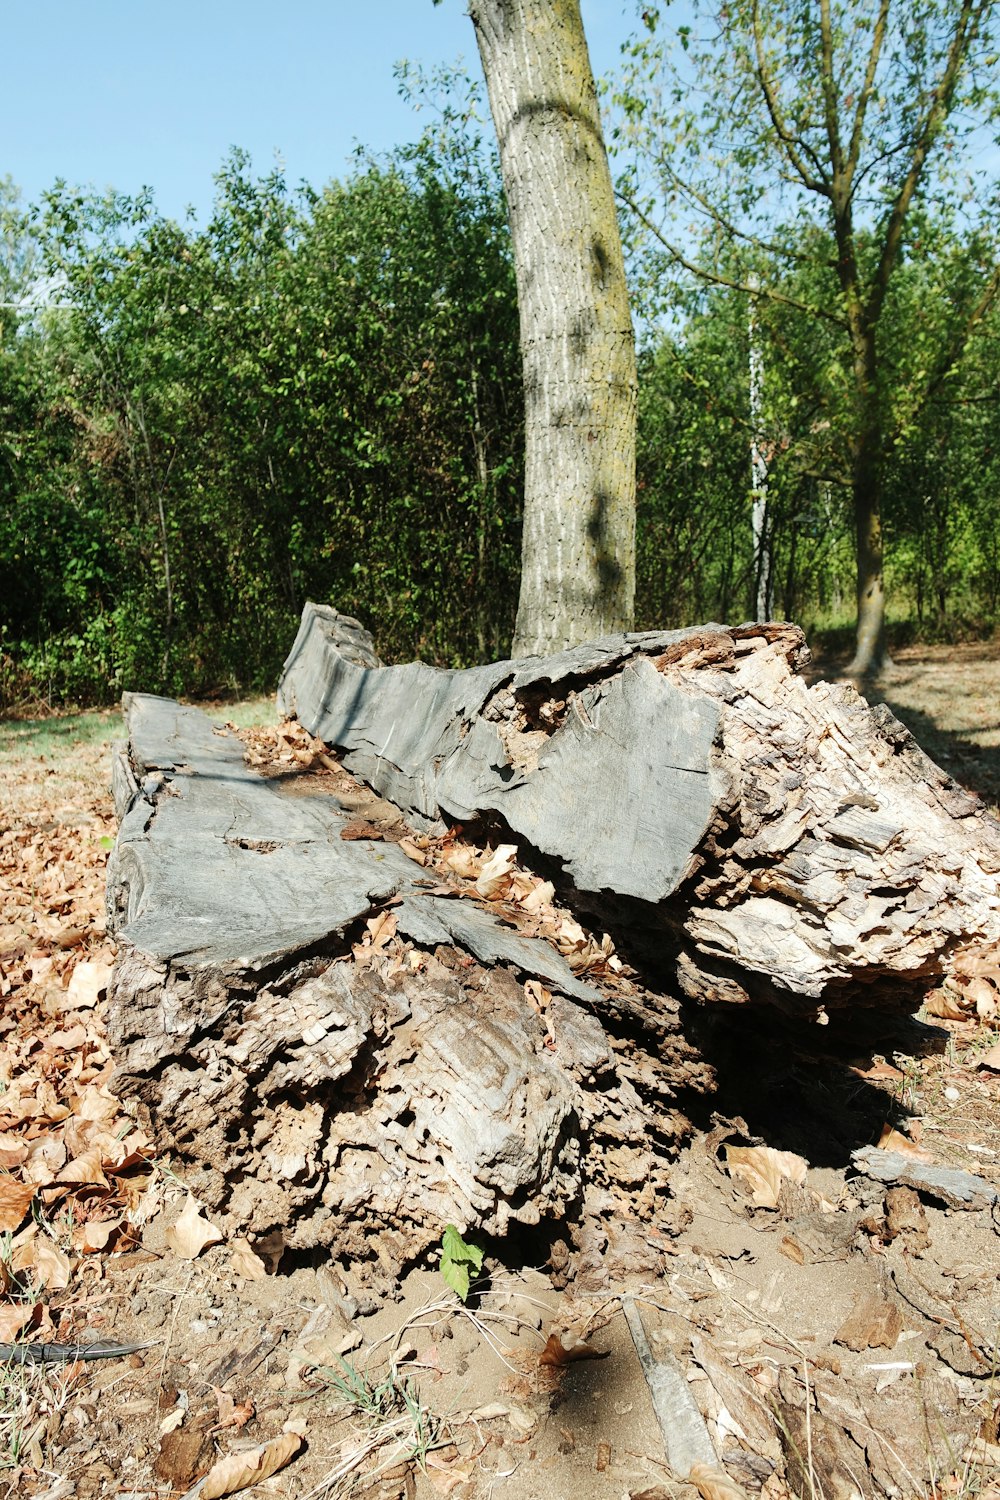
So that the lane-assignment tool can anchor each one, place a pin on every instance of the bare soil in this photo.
(841, 1342)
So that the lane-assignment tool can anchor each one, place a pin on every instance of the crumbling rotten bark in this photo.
(798, 843)
(747, 838)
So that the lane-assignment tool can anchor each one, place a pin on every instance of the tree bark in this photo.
(870, 654)
(347, 1042)
(577, 343)
(798, 845)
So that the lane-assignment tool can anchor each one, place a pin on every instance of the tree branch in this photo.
(937, 111)
(878, 37)
(956, 348)
(713, 278)
(796, 149)
(779, 251)
(828, 84)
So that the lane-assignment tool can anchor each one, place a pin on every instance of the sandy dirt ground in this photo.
(824, 1333)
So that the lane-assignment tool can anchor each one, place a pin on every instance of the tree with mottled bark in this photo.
(577, 343)
(849, 117)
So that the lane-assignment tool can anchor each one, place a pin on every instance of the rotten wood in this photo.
(798, 843)
(748, 838)
(360, 1104)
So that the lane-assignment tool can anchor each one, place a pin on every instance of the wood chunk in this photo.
(750, 839)
(797, 841)
(875, 1323)
(904, 1215)
(946, 1184)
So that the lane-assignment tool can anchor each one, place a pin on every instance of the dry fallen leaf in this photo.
(13, 1319)
(762, 1170)
(496, 871)
(87, 983)
(15, 1200)
(191, 1234)
(713, 1484)
(240, 1470)
(49, 1266)
(990, 1059)
(893, 1140)
(556, 1353)
(246, 1262)
(464, 861)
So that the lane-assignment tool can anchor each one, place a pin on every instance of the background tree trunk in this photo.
(577, 343)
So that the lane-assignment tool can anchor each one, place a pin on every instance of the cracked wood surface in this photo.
(362, 1106)
(798, 843)
(745, 836)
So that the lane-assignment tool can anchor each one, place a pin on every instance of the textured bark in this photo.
(870, 653)
(798, 845)
(747, 838)
(577, 344)
(363, 1102)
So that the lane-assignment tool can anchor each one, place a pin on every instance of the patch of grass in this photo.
(31, 1400)
(56, 734)
(248, 713)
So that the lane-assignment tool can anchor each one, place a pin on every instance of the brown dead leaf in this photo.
(246, 1262)
(713, 1484)
(990, 1059)
(946, 1005)
(880, 1070)
(894, 1140)
(14, 1319)
(413, 851)
(192, 1234)
(537, 996)
(762, 1170)
(463, 860)
(87, 984)
(15, 1200)
(232, 1413)
(85, 1168)
(379, 929)
(556, 1353)
(495, 872)
(49, 1266)
(541, 894)
(240, 1470)
(446, 1472)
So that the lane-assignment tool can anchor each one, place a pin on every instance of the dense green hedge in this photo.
(317, 395)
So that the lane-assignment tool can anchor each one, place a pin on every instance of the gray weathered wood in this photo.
(796, 843)
(355, 1103)
(750, 838)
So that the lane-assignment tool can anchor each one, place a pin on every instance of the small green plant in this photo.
(459, 1261)
(392, 1407)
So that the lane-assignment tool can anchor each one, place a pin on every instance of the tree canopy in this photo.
(803, 155)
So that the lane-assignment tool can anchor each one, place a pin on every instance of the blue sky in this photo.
(127, 93)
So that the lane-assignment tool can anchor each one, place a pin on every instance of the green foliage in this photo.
(829, 166)
(459, 1261)
(317, 395)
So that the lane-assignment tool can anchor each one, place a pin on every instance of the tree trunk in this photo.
(870, 653)
(348, 1041)
(577, 344)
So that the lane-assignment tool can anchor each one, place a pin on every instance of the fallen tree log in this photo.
(799, 844)
(350, 1048)
(354, 1094)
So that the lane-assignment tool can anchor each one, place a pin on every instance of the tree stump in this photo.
(348, 1048)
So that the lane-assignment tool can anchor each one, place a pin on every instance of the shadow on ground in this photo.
(949, 699)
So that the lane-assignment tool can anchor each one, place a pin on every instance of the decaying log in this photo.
(748, 838)
(358, 1105)
(799, 844)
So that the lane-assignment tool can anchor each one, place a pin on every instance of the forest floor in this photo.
(878, 1315)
